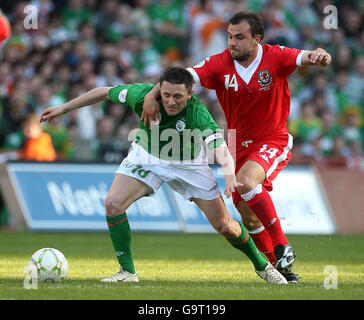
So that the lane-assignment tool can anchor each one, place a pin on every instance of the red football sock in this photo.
(262, 205)
(263, 242)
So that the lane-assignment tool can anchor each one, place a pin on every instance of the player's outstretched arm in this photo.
(90, 97)
(151, 106)
(224, 158)
(318, 57)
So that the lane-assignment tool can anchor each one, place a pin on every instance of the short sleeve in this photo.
(205, 71)
(131, 95)
(289, 59)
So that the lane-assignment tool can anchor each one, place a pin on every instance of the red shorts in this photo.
(272, 153)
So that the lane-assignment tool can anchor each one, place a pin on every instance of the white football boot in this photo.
(271, 275)
(122, 276)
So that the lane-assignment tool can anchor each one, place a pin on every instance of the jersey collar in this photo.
(247, 73)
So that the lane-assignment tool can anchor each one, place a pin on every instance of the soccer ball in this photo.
(48, 264)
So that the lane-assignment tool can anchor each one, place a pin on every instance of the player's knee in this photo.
(113, 207)
(248, 185)
(226, 229)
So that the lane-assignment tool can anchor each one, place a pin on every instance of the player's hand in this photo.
(319, 57)
(230, 185)
(150, 111)
(49, 114)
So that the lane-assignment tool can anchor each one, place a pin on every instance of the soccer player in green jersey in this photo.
(174, 151)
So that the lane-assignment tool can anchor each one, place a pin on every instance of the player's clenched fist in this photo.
(49, 114)
(319, 57)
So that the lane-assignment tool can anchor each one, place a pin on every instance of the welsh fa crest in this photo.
(264, 79)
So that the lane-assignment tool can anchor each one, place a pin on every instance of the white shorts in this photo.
(191, 181)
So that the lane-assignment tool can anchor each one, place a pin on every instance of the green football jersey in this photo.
(178, 137)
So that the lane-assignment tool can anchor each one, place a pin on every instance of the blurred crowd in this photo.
(77, 45)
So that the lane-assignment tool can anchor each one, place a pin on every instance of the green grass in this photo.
(180, 266)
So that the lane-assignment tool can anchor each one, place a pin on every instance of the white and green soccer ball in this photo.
(48, 264)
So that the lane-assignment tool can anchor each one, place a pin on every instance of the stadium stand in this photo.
(81, 44)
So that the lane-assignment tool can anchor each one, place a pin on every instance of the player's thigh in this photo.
(125, 190)
(250, 175)
(214, 210)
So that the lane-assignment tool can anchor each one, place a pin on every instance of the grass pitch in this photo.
(180, 267)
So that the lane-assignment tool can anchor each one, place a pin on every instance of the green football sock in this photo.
(245, 244)
(120, 235)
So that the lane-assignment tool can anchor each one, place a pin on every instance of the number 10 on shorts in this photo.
(138, 169)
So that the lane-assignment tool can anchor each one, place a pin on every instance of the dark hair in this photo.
(255, 21)
(177, 75)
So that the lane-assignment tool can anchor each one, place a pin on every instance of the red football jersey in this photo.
(256, 99)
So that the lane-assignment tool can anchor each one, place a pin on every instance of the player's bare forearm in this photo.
(151, 106)
(318, 57)
(226, 161)
(93, 96)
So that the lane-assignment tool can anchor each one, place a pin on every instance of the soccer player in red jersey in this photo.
(250, 80)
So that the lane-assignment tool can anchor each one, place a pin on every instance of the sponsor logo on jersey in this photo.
(122, 95)
(246, 143)
(264, 79)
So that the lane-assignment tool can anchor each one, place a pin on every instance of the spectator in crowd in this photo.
(356, 80)
(207, 34)
(168, 27)
(140, 19)
(74, 14)
(107, 15)
(307, 126)
(122, 25)
(108, 74)
(351, 122)
(37, 144)
(338, 157)
(330, 130)
(60, 139)
(108, 148)
(42, 99)
(16, 109)
(86, 35)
